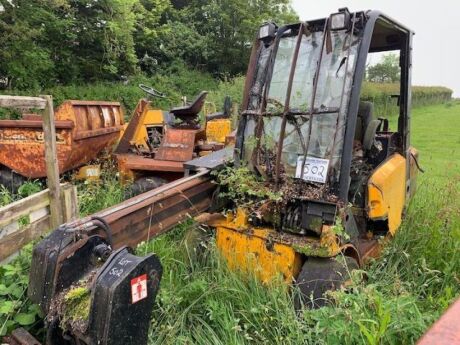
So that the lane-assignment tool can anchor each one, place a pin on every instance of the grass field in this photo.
(202, 302)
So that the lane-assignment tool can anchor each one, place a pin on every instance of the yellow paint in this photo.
(154, 117)
(329, 240)
(150, 118)
(249, 250)
(264, 251)
(122, 130)
(89, 173)
(250, 253)
(126, 175)
(218, 130)
(386, 192)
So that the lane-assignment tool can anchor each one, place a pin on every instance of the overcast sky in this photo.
(436, 53)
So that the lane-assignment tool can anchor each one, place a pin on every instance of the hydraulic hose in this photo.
(100, 222)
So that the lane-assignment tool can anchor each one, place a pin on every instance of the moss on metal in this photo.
(312, 250)
(76, 305)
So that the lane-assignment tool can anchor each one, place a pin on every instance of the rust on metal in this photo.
(178, 145)
(128, 162)
(33, 123)
(83, 130)
(287, 104)
(21, 337)
(154, 212)
(125, 142)
(446, 330)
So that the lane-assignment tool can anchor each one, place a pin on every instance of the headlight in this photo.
(340, 20)
(267, 30)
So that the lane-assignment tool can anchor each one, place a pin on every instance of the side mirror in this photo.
(398, 99)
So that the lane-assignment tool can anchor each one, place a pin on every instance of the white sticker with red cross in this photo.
(139, 288)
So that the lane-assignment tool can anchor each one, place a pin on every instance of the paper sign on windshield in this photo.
(315, 169)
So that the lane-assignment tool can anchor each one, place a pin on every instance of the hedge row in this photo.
(179, 81)
(385, 105)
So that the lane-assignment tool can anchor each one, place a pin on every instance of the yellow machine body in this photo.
(218, 130)
(266, 252)
(387, 191)
(270, 253)
(151, 118)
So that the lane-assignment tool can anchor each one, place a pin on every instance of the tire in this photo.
(143, 185)
(319, 275)
(196, 241)
(10, 180)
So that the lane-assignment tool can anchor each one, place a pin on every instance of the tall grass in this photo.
(417, 277)
(98, 195)
(202, 302)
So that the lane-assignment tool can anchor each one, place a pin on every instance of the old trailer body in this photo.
(83, 130)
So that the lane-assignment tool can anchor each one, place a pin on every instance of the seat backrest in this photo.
(193, 108)
(365, 116)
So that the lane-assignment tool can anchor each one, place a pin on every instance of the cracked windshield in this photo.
(325, 133)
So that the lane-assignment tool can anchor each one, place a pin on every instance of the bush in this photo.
(177, 80)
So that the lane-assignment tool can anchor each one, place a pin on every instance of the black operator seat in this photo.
(189, 113)
(366, 125)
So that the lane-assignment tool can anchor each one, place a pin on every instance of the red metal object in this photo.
(83, 130)
(178, 145)
(446, 330)
(135, 162)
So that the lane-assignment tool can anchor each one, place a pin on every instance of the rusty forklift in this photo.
(345, 179)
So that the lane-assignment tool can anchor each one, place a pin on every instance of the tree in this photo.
(214, 35)
(386, 71)
(44, 42)
(24, 61)
(48, 42)
(230, 26)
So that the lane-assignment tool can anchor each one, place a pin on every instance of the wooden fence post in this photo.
(52, 168)
(69, 202)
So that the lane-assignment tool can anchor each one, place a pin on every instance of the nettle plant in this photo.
(15, 308)
(243, 187)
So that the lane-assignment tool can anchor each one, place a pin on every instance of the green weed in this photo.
(202, 302)
(25, 190)
(93, 197)
(15, 308)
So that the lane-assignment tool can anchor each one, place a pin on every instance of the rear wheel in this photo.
(143, 185)
(10, 180)
(319, 275)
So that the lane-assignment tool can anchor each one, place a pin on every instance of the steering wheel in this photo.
(151, 91)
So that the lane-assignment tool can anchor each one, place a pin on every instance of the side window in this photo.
(382, 85)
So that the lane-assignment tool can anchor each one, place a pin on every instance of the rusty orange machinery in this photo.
(151, 144)
(270, 253)
(446, 330)
(83, 130)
